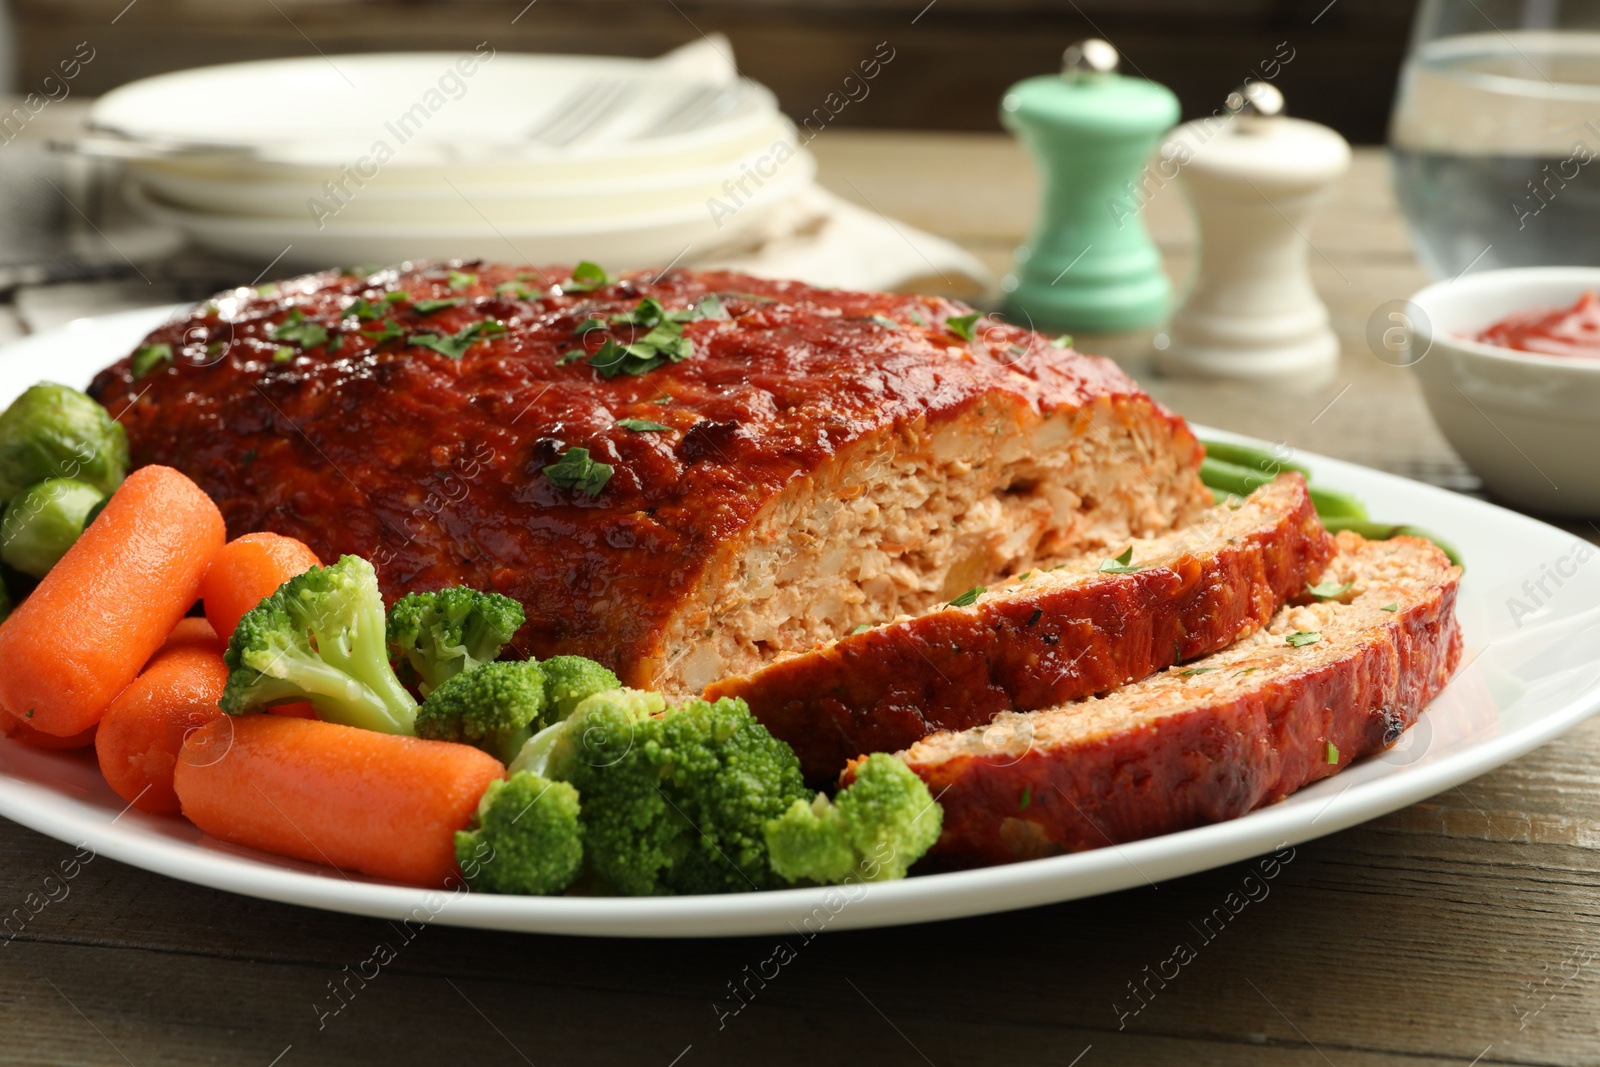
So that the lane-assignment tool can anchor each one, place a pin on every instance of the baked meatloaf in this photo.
(1046, 636)
(681, 474)
(1323, 684)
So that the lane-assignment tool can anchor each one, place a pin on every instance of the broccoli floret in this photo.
(496, 707)
(435, 636)
(551, 751)
(320, 637)
(675, 802)
(874, 829)
(526, 837)
(569, 680)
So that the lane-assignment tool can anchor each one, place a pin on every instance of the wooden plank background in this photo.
(1464, 929)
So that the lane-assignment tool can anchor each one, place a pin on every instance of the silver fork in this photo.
(692, 109)
(581, 112)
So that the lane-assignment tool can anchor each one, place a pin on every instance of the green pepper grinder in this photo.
(1090, 264)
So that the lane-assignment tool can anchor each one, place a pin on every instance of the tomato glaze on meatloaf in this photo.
(826, 458)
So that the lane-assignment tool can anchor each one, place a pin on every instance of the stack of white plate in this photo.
(379, 158)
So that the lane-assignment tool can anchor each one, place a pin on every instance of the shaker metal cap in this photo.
(1255, 100)
(1089, 57)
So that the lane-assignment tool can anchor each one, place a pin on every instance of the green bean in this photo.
(1382, 531)
(1232, 478)
(1332, 504)
(1252, 458)
(1241, 481)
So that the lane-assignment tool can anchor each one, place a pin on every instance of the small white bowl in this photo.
(1528, 424)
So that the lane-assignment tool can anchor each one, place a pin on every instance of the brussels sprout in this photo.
(52, 431)
(43, 522)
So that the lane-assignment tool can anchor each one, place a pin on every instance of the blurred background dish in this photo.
(1526, 423)
(540, 158)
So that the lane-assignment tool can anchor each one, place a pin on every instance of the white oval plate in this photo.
(639, 240)
(1527, 676)
(323, 111)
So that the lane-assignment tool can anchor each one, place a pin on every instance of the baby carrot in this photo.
(359, 800)
(143, 729)
(94, 621)
(300, 709)
(18, 730)
(247, 571)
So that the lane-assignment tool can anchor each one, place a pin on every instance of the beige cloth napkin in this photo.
(823, 240)
(818, 238)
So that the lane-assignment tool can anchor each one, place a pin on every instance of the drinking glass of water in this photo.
(1496, 134)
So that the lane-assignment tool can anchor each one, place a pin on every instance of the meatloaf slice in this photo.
(1045, 637)
(1321, 685)
(799, 461)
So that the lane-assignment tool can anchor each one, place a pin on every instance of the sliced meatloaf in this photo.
(1046, 636)
(1323, 684)
(758, 472)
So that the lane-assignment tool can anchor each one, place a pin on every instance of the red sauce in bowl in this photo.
(1572, 331)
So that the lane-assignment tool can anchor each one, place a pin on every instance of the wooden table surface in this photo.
(1464, 929)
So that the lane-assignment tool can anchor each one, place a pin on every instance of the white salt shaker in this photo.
(1254, 178)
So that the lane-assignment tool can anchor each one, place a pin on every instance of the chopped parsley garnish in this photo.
(861, 628)
(572, 355)
(1024, 576)
(516, 289)
(387, 332)
(969, 598)
(1064, 341)
(642, 425)
(1027, 798)
(297, 329)
(961, 325)
(461, 280)
(270, 289)
(1122, 564)
(1248, 670)
(587, 277)
(649, 312)
(575, 470)
(1196, 670)
(1302, 638)
(667, 399)
(885, 322)
(147, 357)
(428, 307)
(1333, 752)
(283, 354)
(917, 318)
(336, 342)
(662, 342)
(366, 310)
(455, 346)
(1390, 607)
(710, 307)
(1329, 590)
